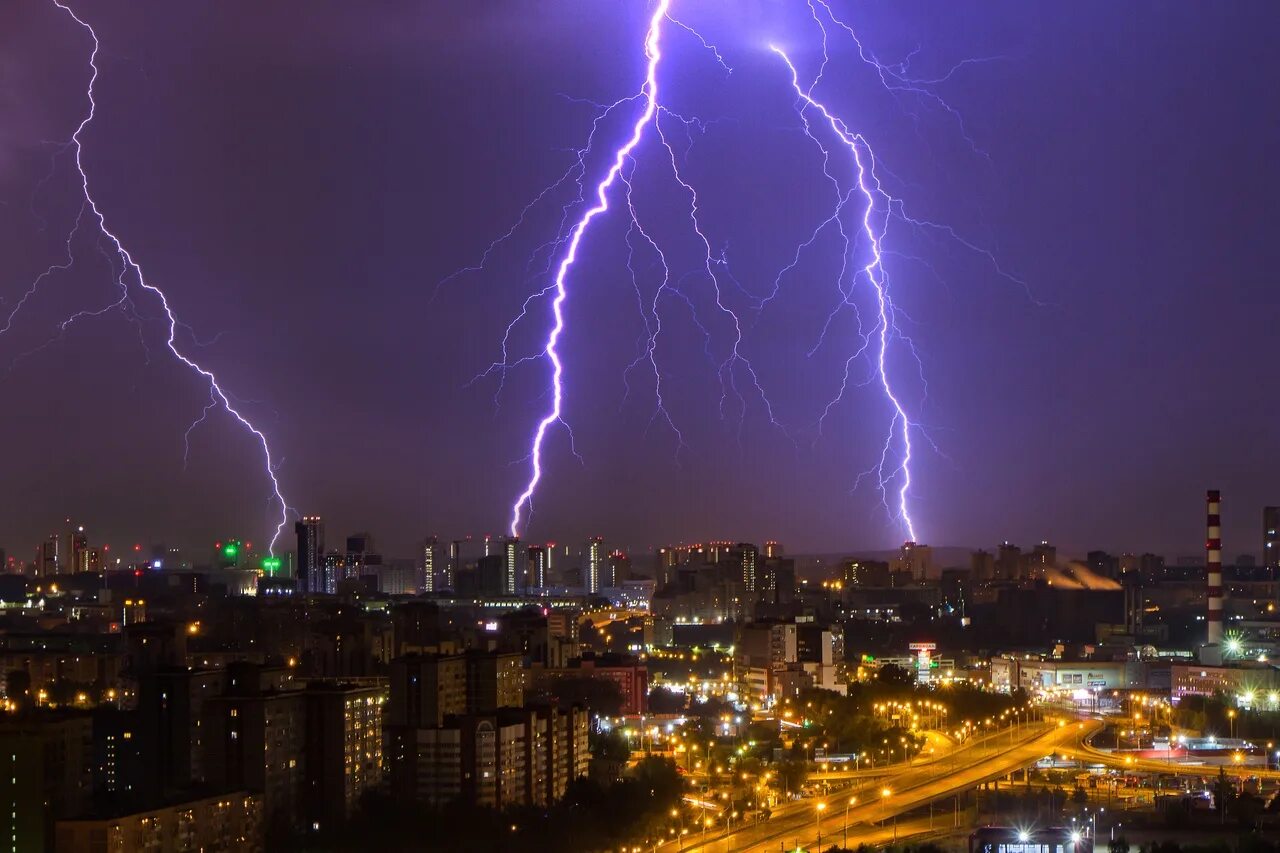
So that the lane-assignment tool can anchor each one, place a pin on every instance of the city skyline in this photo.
(689, 426)
(1085, 406)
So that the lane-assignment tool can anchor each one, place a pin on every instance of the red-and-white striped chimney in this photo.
(1213, 563)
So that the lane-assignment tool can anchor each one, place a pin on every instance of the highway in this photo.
(914, 787)
(1086, 752)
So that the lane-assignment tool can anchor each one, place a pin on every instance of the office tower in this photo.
(772, 549)
(510, 564)
(310, 556)
(1213, 563)
(427, 583)
(1271, 540)
(538, 561)
(594, 564)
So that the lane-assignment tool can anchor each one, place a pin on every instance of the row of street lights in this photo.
(821, 807)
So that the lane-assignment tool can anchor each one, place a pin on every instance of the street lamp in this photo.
(852, 800)
(885, 793)
(817, 818)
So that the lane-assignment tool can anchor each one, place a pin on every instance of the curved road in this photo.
(914, 788)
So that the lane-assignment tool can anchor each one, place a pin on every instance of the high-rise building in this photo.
(982, 566)
(619, 568)
(855, 573)
(772, 549)
(334, 569)
(1151, 566)
(516, 756)
(428, 581)
(44, 774)
(776, 580)
(361, 558)
(747, 555)
(1271, 539)
(915, 559)
(539, 565)
(1008, 562)
(427, 688)
(310, 556)
(593, 564)
(1103, 563)
(1042, 558)
(78, 551)
(668, 562)
(511, 572)
(343, 748)
(48, 558)
(454, 568)
(255, 740)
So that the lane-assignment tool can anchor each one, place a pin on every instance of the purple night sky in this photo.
(299, 177)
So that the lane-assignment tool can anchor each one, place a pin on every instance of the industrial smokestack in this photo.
(1213, 563)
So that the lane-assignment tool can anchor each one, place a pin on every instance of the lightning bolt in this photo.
(873, 224)
(649, 92)
(879, 340)
(130, 271)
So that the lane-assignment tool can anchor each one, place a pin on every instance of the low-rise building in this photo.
(225, 822)
(1238, 682)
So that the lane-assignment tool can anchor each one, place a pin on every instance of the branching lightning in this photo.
(858, 222)
(650, 93)
(874, 222)
(129, 272)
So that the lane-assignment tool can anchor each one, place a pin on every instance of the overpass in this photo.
(882, 802)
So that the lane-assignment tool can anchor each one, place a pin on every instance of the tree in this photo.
(1223, 793)
(664, 701)
(895, 675)
(610, 746)
(791, 775)
(659, 778)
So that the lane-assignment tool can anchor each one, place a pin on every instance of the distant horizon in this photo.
(946, 556)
